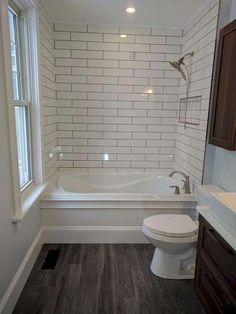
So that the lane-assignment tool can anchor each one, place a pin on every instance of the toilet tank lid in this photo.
(171, 225)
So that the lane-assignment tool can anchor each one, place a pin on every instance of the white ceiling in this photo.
(163, 13)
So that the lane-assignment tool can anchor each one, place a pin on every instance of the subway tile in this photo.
(117, 38)
(118, 55)
(72, 111)
(82, 134)
(86, 37)
(102, 96)
(65, 27)
(102, 112)
(141, 56)
(148, 120)
(135, 47)
(132, 113)
(134, 157)
(158, 40)
(132, 97)
(166, 48)
(118, 88)
(117, 104)
(117, 150)
(167, 31)
(146, 136)
(61, 36)
(85, 54)
(131, 143)
(135, 30)
(101, 142)
(72, 95)
(87, 103)
(70, 79)
(118, 72)
(134, 64)
(102, 127)
(110, 29)
(102, 80)
(87, 87)
(112, 164)
(117, 120)
(103, 63)
(103, 46)
(86, 119)
(66, 44)
(86, 71)
(62, 53)
(117, 135)
(132, 128)
(148, 73)
(71, 62)
(133, 81)
(87, 164)
(71, 127)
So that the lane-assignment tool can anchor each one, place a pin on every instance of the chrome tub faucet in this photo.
(186, 180)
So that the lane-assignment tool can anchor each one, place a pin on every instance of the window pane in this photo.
(15, 58)
(23, 144)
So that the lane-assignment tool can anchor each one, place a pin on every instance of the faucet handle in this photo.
(176, 187)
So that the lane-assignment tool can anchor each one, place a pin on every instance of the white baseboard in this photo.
(93, 234)
(15, 288)
(65, 234)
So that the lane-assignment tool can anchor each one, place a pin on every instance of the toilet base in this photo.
(172, 266)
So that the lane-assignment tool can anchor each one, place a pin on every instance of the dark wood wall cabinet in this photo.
(223, 115)
(215, 271)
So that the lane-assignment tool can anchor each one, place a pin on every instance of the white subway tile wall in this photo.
(117, 98)
(111, 103)
(198, 36)
(48, 91)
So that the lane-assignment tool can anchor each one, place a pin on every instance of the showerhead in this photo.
(177, 64)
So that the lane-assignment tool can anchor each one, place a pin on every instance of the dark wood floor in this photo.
(106, 279)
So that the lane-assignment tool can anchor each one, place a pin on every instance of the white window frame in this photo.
(24, 200)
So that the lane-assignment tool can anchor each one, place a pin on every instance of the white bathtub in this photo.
(108, 207)
(117, 183)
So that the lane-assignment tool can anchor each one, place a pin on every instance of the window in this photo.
(21, 94)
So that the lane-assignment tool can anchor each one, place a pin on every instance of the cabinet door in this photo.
(223, 116)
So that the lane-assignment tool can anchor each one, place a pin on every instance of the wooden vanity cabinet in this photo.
(223, 114)
(215, 271)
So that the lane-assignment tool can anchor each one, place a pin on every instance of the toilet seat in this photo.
(171, 226)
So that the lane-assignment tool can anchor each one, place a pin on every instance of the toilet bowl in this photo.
(174, 238)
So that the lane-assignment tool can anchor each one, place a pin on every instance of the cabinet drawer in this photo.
(221, 254)
(213, 289)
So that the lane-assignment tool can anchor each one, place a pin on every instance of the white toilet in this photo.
(174, 237)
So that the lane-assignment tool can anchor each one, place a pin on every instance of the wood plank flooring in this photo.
(104, 279)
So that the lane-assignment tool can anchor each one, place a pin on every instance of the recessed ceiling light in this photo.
(123, 35)
(130, 10)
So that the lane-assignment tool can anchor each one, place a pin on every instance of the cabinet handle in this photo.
(229, 251)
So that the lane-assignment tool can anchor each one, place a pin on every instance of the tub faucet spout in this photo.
(185, 180)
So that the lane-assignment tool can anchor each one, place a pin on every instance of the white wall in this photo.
(224, 172)
(199, 36)
(14, 242)
(48, 90)
(103, 104)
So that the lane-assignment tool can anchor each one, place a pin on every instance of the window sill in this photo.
(28, 204)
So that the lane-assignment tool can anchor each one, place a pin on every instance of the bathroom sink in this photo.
(223, 207)
(229, 199)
